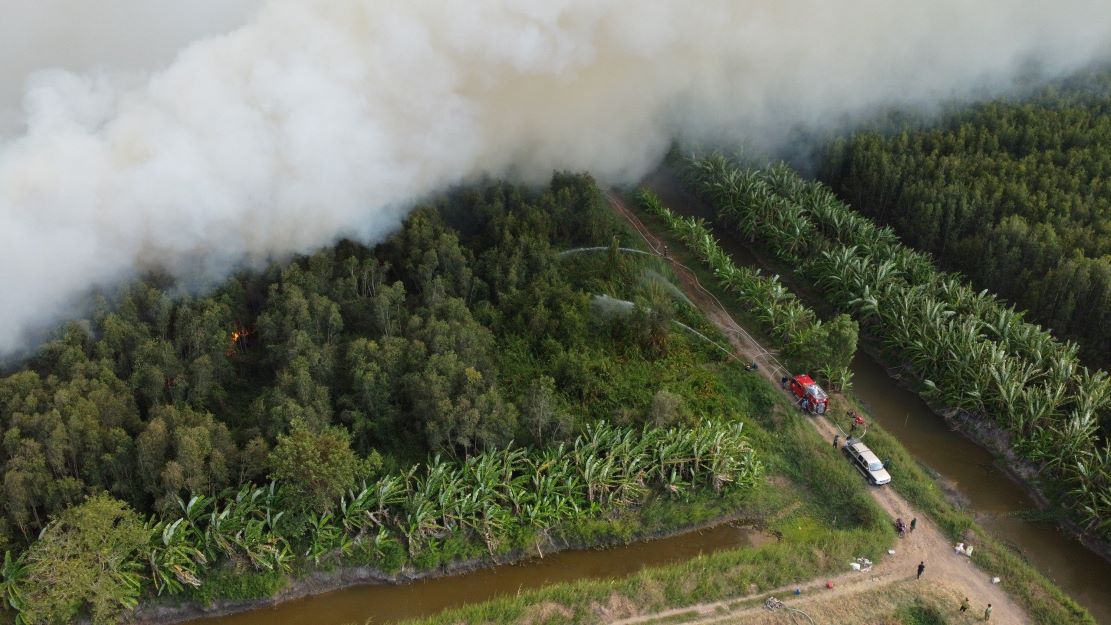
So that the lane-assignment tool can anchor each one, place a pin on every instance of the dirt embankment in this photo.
(861, 601)
(320, 582)
(926, 544)
(984, 433)
(890, 576)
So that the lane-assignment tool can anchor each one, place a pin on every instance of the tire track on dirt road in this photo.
(927, 543)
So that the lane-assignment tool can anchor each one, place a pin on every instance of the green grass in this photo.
(832, 521)
(906, 602)
(1041, 598)
(1045, 602)
(814, 501)
(232, 583)
(921, 614)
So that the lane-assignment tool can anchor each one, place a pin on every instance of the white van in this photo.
(866, 462)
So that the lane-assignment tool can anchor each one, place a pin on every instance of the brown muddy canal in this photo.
(997, 502)
(388, 604)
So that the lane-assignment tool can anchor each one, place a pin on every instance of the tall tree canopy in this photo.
(1014, 194)
(81, 564)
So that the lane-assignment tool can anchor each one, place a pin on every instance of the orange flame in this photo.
(236, 335)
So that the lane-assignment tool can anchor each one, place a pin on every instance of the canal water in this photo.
(379, 604)
(998, 503)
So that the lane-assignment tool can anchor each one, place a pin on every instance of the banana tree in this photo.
(325, 536)
(173, 556)
(12, 576)
(974, 352)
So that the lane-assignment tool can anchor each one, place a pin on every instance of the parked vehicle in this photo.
(866, 462)
(809, 396)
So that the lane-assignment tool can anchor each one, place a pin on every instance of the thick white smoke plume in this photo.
(327, 118)
(125, 37)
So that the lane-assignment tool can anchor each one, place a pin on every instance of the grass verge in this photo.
(903, 603)
(1042, 599)
(826, 518)
(1046, 603)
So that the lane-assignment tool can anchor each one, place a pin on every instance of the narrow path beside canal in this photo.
(998, 503)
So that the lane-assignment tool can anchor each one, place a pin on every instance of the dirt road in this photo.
(925, 544)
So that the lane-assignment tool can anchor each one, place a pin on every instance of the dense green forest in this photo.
(154, 397)
(401, 404)
(972, 352)
(1014, 194)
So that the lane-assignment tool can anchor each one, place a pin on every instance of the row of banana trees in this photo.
(487, 498)
(781, 313)
(974, 352)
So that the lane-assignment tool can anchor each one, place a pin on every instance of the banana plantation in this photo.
(972, 352)
(780, 312)
(498, 501)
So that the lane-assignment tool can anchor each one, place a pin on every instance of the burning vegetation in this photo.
(238, 339)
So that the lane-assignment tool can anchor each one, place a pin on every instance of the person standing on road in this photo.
(913, 523)
(921, 567)
(965, 605)
(987, 612)
(836, 437)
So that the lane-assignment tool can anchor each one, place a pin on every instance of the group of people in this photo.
(966, 604)
(901, 526)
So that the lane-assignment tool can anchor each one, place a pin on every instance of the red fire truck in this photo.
(809, 396)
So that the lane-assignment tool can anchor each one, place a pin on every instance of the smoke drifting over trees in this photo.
(324, 119)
